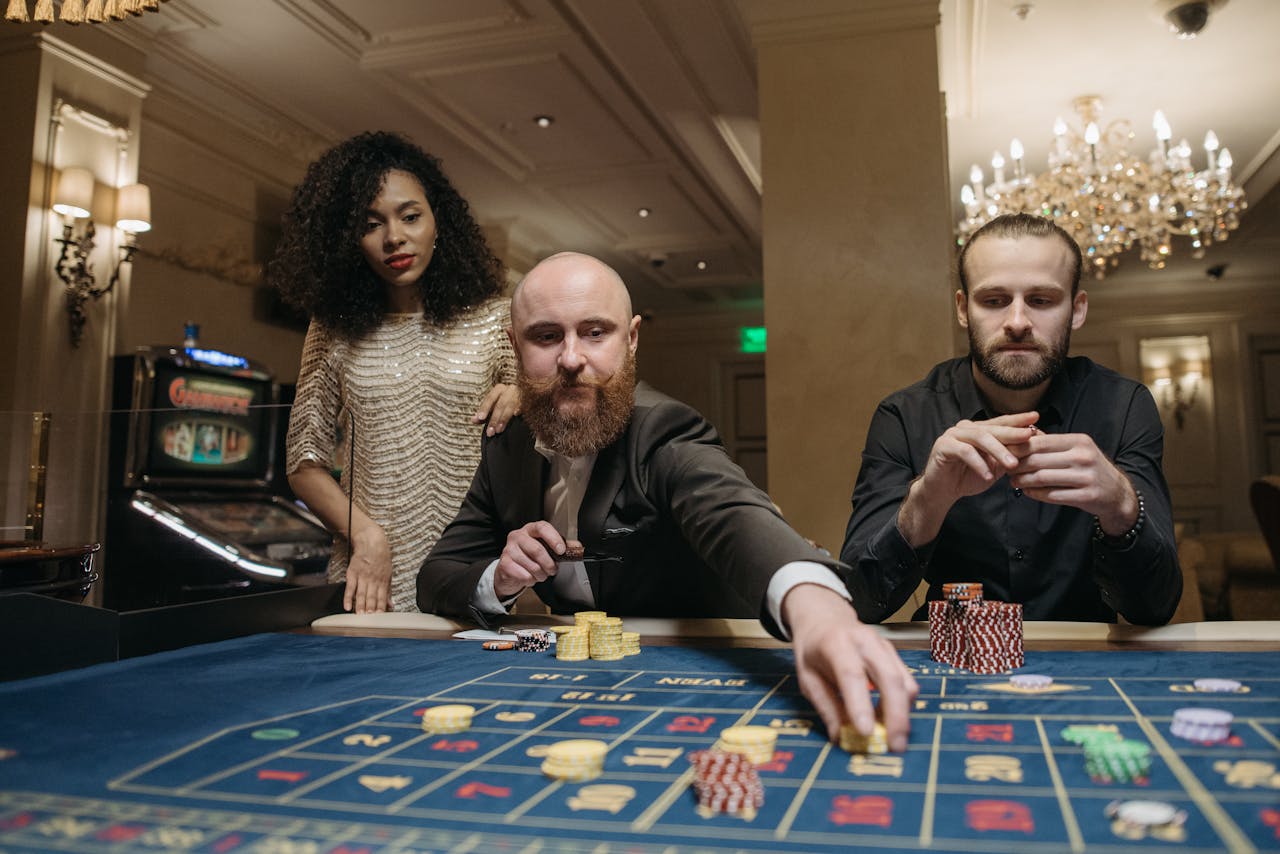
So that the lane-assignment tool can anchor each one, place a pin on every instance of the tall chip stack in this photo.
(971, 633)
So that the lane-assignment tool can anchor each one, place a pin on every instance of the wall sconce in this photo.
(1179, 384)
(73, 201)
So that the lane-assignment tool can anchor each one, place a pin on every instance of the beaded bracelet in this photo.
(1128, 537)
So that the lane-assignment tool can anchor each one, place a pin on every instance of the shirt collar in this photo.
(1053, 406)
(560, 460)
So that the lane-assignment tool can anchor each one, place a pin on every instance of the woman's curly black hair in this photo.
(318, 266)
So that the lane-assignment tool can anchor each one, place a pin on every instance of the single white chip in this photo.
(1146, 813)
(1217, 686)
(1030, 680)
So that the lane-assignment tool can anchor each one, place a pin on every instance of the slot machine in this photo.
(191, 513)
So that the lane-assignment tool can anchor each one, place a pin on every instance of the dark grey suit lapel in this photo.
(606, 479)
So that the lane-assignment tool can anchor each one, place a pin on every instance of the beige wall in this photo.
(856, 235)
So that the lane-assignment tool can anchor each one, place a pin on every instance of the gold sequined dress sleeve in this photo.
(411, 388)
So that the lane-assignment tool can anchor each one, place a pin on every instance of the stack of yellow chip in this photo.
(576, 760)
(630, 643)
(444, 719)
(853, 742)
(584, 619)
(606, 639)
(573, 646)
(754, 742)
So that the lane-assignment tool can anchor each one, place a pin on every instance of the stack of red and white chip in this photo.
(993, 638)
(726, 783)
(968, 632)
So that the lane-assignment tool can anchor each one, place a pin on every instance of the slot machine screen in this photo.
(209, 425)
(251, 523)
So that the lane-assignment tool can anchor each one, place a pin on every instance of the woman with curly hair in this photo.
(405, 356)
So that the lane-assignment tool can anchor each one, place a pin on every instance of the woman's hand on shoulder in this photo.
(499, 406)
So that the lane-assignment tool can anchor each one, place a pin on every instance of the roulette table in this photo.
(312, 741)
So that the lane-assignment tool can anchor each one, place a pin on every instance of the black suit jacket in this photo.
(677, 528)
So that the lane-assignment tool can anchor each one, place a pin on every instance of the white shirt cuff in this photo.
(789, 576)
(485, 598)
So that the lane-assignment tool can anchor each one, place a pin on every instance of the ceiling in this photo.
(654, 107)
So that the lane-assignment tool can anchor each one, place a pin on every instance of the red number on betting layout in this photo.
(690, 723)
(120, 833)
(460, 746)
(599, 720)
(781, 758)
(989, 732)
(228, 843)
(1271, 818)
(473, 788)
(864, 809)
(287, 776)
(998, 815)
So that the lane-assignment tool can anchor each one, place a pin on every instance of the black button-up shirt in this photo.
(1041, 555)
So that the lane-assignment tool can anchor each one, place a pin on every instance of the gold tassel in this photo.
(151, 5)
(133, 7)
(72, 12)
(93, 12)
(17, 12)
(115, 10)
(43, 11)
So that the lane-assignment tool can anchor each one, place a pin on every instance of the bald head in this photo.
(572, 313)
(570, 273)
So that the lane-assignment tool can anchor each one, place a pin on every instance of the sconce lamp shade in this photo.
(74, 197)
(133, 208)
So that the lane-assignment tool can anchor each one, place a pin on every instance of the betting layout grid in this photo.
(987, 767)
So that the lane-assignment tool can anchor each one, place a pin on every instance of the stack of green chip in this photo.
(1117, 761)
(1084, 734)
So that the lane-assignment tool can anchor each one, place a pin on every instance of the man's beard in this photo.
(579, 431)
(1009, 371)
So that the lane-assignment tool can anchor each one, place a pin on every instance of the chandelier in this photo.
(1108, 199)
(79, 11)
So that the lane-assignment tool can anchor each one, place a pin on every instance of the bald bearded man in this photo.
(669, 524)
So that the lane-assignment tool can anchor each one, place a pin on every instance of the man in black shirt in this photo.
(1035, 474)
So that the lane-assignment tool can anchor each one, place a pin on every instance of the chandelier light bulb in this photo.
(1163, 132)
(1110, 199)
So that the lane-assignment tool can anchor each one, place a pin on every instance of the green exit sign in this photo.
(753, 339)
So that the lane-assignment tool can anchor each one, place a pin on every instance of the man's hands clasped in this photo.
(1057, 468)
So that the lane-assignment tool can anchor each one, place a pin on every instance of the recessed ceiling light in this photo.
(643, 212)
(701, 265)
(544, 121)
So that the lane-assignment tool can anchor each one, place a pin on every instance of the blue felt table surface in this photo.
(191, 728)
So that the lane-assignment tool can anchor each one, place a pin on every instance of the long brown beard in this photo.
(1051, 357)
(579, 432)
